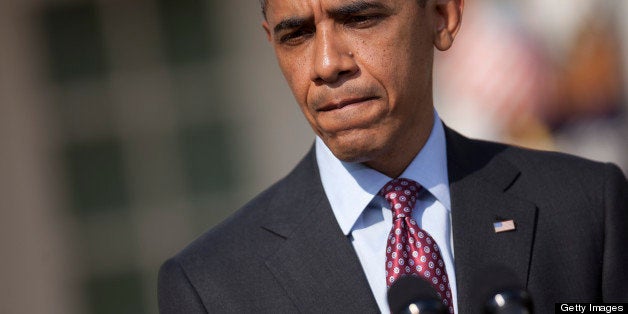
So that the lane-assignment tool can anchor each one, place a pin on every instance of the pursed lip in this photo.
(345, 102)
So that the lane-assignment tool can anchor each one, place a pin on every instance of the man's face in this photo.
(361, 71)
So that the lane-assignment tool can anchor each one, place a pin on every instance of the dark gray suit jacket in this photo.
(284, 252)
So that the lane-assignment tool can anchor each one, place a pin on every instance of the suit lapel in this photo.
(314, 261)
(479, 183)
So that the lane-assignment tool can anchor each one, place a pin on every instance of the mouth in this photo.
(343, 103)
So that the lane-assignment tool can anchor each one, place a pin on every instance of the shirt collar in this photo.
(350, 187)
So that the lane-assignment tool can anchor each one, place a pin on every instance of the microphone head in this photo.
(412, 290)
(497, 290)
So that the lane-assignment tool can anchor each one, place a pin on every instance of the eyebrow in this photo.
(355, 7)
(289, 23)
(339, 12)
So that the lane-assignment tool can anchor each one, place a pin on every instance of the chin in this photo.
(352, 149)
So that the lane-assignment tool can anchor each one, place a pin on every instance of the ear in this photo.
(267, 30)
(448, 17)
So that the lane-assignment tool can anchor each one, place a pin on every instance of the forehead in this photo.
(278, 9)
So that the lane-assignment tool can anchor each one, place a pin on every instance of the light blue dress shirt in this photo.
(366, 217)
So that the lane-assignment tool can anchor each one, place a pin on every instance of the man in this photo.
(327, 237)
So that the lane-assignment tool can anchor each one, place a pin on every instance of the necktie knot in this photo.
(402, 194)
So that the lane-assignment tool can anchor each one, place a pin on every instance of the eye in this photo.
(295, 37)
(362, 21)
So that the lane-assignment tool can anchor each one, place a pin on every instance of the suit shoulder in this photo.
(557, 183)
(235, 230)
(243, 228)
(550, 163)
(558, 175)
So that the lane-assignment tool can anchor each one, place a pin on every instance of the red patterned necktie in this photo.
(411, 250)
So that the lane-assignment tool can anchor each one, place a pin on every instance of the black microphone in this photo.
(413, 295)
(498, 291)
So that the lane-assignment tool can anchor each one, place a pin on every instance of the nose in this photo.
(332, 59)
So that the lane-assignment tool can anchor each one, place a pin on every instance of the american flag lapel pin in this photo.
(503, 226)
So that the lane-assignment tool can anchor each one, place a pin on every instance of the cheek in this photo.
(296, 74)
(384, 57)
(376, 56)
(384, 65)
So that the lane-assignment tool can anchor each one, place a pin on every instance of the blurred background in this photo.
(128, 127)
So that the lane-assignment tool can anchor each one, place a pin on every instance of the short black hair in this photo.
(263, 4)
